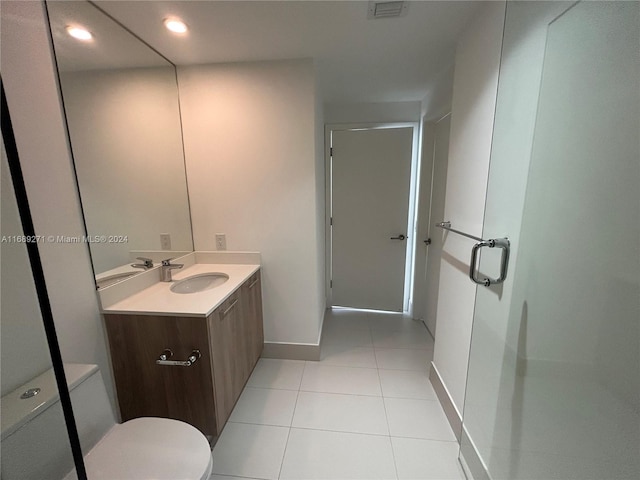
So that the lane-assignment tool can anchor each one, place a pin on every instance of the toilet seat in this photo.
(150, 448)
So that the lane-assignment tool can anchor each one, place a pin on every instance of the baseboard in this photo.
(470, 459)
(291, 351)
(450, 410)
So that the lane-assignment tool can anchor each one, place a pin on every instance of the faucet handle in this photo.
(146, 265)
(167, 263)
(167, 266)
(147, 261)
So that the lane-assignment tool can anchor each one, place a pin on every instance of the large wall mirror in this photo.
(122, 108)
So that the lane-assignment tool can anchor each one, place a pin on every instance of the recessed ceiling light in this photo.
(80, 33)
(175, 25)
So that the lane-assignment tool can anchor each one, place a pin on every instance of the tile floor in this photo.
(366, 410)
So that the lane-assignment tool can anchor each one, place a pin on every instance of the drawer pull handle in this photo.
(230, 307)
(164, 357)
(253, 284)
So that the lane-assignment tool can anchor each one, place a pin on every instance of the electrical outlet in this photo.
(221, 241)
(165, 241)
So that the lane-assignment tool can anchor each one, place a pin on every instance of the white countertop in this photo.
(158, 299)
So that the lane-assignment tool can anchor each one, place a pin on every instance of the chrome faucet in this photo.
(167, 266)
(146, 264)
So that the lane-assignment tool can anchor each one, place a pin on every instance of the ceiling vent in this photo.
(382, 9)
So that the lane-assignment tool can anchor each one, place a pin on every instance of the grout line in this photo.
(425, 439)
(345, 431)
(377, 435)
(386, 416)
(284, 453)
(412, 398)
(364, 395)
(259, 424)
(235, 476)
(270, 388)
(343, 393)
(342, 366)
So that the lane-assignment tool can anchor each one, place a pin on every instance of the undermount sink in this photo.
(199, 283)
(115, 278)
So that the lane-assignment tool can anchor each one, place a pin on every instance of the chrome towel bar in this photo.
(447, 226)
(502, 243)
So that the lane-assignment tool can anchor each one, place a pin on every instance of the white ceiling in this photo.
(358, 60)
(111, 48)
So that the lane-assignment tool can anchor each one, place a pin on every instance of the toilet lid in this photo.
(150, 448)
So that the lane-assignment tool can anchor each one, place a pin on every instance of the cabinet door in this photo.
(146, 389)
(252, 297)
(224, 335)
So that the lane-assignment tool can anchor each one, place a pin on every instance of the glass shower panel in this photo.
(553, 389)
(34, 441)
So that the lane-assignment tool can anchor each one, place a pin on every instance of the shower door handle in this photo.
(502, 243)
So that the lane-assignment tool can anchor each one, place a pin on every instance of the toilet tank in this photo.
(34, 436)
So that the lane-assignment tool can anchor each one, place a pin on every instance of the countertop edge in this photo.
(181, 313)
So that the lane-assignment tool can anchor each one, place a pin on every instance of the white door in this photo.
(371, 172)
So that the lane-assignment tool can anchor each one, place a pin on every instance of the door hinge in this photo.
(331, 221)
(331, 151)
(330, 283)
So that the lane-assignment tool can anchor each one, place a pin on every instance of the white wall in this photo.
(371, 112)
(250, 144)
(29, 78)
(474, 98)
(437, 101)
(127, 145)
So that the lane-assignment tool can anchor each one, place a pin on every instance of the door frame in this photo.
(329, 128)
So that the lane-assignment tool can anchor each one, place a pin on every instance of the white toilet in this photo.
(34, 444)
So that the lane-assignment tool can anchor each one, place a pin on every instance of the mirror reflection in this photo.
(122, 110)
(33, 424)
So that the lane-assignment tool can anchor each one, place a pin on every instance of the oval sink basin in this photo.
(115, 278)
(199, 283)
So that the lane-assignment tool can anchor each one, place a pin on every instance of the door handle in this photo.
(399, 237)
(427, 241)
(502, 243)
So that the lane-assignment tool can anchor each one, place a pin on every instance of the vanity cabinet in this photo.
(203, 394)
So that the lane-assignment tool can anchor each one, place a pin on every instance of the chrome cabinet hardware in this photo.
(164, 357)
(230, 307)
(399, 237)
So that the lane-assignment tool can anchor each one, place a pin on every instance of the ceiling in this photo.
(357, 59)
(112, 47)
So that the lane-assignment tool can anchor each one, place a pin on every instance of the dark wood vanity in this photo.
(229, 342)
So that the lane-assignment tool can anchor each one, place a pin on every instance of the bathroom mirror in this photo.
(122, 110)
